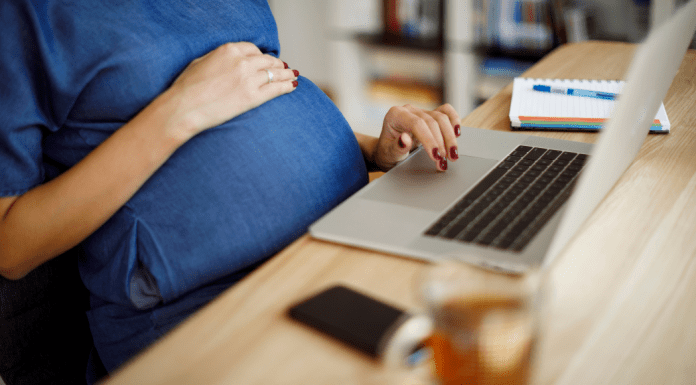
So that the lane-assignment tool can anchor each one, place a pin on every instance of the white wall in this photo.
(316, 38)
(303, 36)
(307, 28)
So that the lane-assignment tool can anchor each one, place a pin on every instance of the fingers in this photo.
(244, 52)
(268, 70)
(228, 81)
(434, 129)
(278, 81)
(267, 61)
(442, 131)
(453, 116)
(409, 120)
(438, 139)
(446, 130)
(270, 75)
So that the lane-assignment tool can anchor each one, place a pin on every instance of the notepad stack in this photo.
(535, 110)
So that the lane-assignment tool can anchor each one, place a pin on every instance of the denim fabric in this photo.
(75, 71)
(124, 331)
(228, 199)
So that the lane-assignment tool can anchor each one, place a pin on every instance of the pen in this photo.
(575, 92)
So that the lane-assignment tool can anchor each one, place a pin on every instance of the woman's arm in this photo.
(404, 128)
(54, 217)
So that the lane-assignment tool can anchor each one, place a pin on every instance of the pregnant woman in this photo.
(170, 143)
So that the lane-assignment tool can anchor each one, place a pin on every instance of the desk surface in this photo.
(621, 309)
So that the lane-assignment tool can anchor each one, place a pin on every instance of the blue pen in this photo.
(575, 92)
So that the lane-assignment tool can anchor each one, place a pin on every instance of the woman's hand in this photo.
(405, 127)
(57, 215)
(224, 83)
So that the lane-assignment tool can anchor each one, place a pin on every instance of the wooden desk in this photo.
(621, 311)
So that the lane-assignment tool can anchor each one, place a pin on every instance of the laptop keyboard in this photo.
(508, 207)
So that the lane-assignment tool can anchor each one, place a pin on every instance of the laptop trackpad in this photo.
(416, 182)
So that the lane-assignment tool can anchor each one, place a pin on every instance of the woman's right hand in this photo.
(221, 85)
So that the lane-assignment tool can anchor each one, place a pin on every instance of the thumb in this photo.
(405, 143)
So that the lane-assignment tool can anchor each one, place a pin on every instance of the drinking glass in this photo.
(485, 324)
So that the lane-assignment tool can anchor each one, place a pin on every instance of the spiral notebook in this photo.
(536, 110)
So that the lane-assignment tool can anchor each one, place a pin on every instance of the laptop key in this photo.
(487, 239)
(456, 229)
(506, 165)
(551, 154)
(486, 182)
(535, 154)
(567, 156)
(469, 236)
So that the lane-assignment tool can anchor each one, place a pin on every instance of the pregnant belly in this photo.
(233, 195)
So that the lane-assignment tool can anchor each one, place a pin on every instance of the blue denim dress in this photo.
(224, 202)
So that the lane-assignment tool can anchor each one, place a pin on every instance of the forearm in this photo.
(56, 216)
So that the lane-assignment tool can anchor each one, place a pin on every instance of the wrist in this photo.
(157, 130)
(368, 147)
(167, 113)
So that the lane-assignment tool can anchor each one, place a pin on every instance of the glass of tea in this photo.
(485, 324)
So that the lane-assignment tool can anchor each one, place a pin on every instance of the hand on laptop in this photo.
(405, 127)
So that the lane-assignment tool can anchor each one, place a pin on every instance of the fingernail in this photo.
(453, 153)
(457, 130)
(401, 143)
(294, 83)
(286, 65)
(296, 72)
(436, 154)
(443, 164)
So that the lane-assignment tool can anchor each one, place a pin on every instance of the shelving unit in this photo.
(375, 68)
(399, 71)
(372, 69)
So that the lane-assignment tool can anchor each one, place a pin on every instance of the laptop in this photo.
(512, 201)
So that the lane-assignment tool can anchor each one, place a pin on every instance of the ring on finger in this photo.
(270, 75)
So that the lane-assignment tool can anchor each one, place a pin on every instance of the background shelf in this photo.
(371, 54)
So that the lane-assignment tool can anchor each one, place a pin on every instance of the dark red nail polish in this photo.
(453, 153)
(401, 143)
(443, 164)
(296, 72)
(286, 65)
(294, 83)
(457, 131)
(436, 154)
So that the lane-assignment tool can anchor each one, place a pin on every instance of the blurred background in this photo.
(369, 55)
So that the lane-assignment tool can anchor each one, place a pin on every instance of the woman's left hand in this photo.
(405, 127)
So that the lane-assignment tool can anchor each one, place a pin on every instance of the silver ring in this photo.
(270, 75)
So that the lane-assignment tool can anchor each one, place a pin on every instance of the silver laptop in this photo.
(511, 201)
